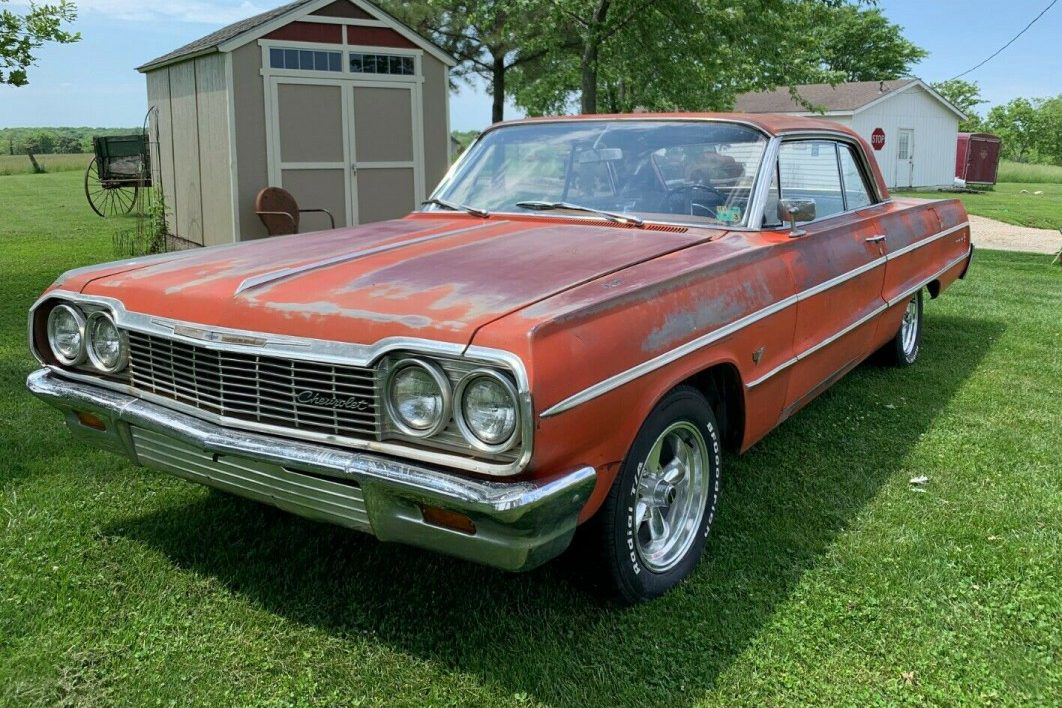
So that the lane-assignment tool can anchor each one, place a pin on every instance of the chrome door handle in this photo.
(875, 239)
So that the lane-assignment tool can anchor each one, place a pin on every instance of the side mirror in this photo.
(794, 210)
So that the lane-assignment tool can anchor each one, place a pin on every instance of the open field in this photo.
(830, 579)
(1012, 202)
(20, 164)
(1021, 172)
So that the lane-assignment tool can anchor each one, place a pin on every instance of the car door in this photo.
(838, 264)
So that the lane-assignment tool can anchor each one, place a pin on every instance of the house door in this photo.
(353, 148)
(905, 157)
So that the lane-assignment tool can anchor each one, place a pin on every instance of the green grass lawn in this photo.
(20, 164)
(829, 579)
(1023, 172)
(1012, 202)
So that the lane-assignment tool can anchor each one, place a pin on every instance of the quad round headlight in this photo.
(66, 334)
(417, 397)
(487, 410)
(107, 349)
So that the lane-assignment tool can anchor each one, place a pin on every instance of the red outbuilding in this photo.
(977, 157)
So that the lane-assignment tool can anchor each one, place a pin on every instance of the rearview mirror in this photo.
(794, 210)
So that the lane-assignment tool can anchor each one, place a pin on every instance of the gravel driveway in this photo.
(989, 233)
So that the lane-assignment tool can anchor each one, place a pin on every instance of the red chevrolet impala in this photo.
(588, 316)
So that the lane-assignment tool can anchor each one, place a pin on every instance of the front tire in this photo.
(656, 519)
(902, 350)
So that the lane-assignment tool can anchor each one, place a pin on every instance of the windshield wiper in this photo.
(454, 206)
(610, 215)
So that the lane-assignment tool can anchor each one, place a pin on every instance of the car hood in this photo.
(427, 276)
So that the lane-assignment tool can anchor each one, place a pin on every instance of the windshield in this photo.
(695, 172)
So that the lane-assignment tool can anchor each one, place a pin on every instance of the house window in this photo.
(304, 59)
(381, 64)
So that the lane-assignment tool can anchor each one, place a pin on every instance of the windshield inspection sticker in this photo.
(728, 215)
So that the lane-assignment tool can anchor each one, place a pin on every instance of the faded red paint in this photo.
(578, 301)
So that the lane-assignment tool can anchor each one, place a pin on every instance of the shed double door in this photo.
(354, 148)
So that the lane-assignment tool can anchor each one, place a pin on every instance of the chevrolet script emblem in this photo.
(316, 399)
(209, 336)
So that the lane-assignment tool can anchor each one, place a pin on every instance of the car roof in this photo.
(770, 123)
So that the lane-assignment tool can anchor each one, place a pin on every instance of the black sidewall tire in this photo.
(632, 580)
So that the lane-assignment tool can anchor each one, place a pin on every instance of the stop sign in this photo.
(877, 138)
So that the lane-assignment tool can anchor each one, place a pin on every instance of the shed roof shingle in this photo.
(212, 40)
(842, 97)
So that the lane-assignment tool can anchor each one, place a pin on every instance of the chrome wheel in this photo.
(909, 328)
(672, 492)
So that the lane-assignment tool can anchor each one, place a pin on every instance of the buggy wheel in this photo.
(107, 198)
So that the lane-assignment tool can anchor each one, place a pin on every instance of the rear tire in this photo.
(902, 350)
(653, 526)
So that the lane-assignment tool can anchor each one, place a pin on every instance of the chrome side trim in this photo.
(313, 350)
(278, 275)
(926, 241)
(839, 279)
(645, 367)
(877, 311)
(911, 291)
(655, 363)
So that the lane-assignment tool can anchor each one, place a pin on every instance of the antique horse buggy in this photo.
(119, 169)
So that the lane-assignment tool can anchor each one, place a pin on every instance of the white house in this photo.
(911, 127)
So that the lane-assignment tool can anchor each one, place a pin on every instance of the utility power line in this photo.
(1012, 40)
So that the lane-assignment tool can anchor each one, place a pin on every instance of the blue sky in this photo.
(94, 83)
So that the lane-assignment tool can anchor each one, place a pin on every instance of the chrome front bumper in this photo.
(518, 525)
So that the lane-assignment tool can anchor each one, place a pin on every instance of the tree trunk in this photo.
(591, 51)
(497, 112)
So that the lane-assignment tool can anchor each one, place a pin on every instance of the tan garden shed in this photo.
(334, 100)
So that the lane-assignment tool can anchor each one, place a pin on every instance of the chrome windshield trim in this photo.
(278, 275)
(639, 370)
(311, 350)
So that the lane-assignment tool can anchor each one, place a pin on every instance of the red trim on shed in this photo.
(309, 32)
(377, 37)
(343, 8)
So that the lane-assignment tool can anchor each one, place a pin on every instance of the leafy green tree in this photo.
(488, 37)
(41, 142)
(964, 95)
(1019, 124)
(698, 54)
(22, 34)
(66, 144)
(860, 44)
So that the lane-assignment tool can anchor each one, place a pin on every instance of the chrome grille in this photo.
(262, 389)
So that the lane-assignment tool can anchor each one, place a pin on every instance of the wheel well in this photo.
(934, 289)
(721, 385)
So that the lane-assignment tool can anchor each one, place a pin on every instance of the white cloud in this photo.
(200, 11)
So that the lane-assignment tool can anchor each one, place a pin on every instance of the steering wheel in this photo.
(693, 187)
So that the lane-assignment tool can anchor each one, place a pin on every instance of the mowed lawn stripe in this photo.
(830, 578)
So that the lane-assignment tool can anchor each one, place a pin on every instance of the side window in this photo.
(807, 169)
(856, 192)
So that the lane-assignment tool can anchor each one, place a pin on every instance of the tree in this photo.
(964, 95)
(698, 54)
(1031, 129)
(22, 35)
(488, 37)
(861, 44)
(41, 142)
